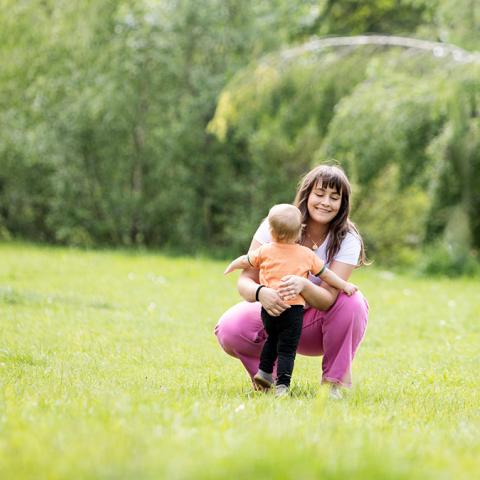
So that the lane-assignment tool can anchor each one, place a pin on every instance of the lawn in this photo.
(109, 369)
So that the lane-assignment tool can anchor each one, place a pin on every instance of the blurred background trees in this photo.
(177, 123)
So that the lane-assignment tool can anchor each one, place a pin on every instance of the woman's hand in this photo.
(272, 302)
(291, 286)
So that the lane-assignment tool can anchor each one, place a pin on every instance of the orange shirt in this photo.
(275, 260)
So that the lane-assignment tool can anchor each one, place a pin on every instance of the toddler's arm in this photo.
(239, 263)
(335, 281)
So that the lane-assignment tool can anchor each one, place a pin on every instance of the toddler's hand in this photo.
(350, 289)
(229, 269)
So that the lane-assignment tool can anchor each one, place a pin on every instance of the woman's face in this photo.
(323, 204)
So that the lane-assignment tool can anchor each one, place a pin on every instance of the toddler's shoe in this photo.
(263, 379)
(259, 388)
(281, 391)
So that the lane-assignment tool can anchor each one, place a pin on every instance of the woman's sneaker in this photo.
(335, 392)
(281, 390)
(263, 379)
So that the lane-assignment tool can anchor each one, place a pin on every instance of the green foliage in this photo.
(118, 124)
(360, 16)
(458, 21)
(452, 254)
(280, 112)
(391, 219)
(379, 109)
(443, 258)
(388, 119)
(173, 124)
(456, 157)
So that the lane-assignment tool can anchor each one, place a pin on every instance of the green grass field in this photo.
(109, 369)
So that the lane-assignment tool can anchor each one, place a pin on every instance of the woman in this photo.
(334, 323)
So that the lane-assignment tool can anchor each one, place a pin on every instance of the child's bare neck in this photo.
(285, 242)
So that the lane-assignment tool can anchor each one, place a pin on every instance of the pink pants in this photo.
(335, 334)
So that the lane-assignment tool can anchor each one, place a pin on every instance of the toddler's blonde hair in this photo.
(285, 223)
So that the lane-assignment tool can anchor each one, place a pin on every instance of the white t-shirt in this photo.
(349, 251)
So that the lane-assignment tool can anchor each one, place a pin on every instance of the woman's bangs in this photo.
(331, 180)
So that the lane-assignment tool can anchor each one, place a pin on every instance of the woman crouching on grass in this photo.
(334, 323)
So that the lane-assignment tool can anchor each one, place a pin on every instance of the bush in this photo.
(440, 259)
(391, 219)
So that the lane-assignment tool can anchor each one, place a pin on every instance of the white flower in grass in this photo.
(158, 279)
(240, 408)
(151, 308)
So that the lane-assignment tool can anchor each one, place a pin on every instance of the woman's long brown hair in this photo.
(333, 177)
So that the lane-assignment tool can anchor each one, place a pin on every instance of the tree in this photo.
(370, 107)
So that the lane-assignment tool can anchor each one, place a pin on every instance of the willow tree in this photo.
(399, 114)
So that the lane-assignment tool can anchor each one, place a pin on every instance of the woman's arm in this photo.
(249, 282)
(320, 297)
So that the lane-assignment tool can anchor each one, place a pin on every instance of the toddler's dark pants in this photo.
(282, 341)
